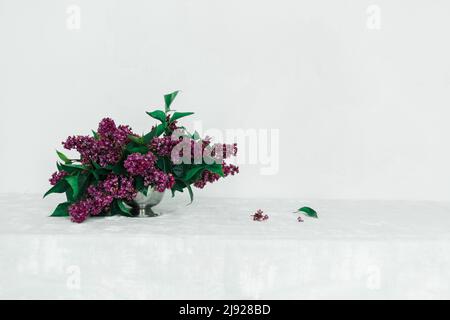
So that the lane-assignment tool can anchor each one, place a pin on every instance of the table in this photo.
(212, 249)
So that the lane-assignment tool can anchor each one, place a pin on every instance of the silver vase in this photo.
(142, 204)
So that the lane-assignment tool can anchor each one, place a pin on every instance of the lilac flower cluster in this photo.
(230, 169)
(259, 216)
(57, 176)
(144, 165)
(107, 130)
(107, 150)
(99, 197)
(163, 146)
(159, 180)
(208, 176)
(139, 164)
(203, 148)
(228, 150)
(85, 145)
(80, 211)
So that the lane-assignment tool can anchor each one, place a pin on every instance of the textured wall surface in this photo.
(359, 93)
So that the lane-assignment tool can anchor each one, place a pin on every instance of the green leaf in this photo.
(178, 115)
(135, 139)
(124, 208)
(139, 183)
(96, 165)
(60, 187)
(84, 180)
(96, 175)
(62, 210)
(117, 168)
(178, 170)
(178, 186)
(158, 115)
(69, 194)
(160, 129)
(161, 164)
(193, 171)
(63, 157)
(308, 212)
(98, 171)
(156, 132)
(196, 135)
(191, 194)
(140, 149)
(71, 168)
(149, 136)
(187, 185)
(168, 99)
(115, 208)
(215, 168)
(95, 134)
(73, 183)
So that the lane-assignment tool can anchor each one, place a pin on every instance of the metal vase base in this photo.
(143, 212)
(141, 206)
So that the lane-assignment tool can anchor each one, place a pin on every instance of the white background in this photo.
(362, 113)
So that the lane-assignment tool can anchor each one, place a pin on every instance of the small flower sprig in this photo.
(259, 216)
(307, 211)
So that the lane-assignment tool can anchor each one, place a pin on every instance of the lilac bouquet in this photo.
(116, 164)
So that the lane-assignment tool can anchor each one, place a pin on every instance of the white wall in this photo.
(362, 113)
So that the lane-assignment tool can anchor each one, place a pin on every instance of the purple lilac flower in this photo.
(85, 145)
(230, 169)
(80, 211)
(144, 165)
(163, 146)
(207, 176)
(100, 197)
(117, 135)
(126, 190)
(97, 200)
(114, 187)
(107, 150)
(112, 140)
(228, 150)
(140, 164)
(57, 176)
(210, 177)
(259, 216)
(159, 180)
(106, 128)
(218, 152)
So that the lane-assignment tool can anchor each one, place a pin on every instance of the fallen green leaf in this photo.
(308, 212)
